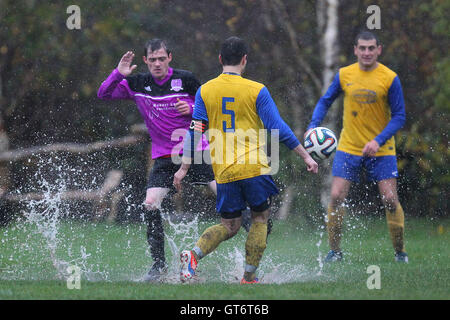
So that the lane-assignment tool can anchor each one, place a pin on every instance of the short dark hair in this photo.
(232, 51)
(366, 35)
(156, 44)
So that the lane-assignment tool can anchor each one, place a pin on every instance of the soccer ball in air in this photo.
(320, 142)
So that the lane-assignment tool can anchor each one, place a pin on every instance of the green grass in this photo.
(114, 257)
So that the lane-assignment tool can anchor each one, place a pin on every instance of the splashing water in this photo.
(47, 220)
(230, 271)
(36, 247)
(47, 240)
(319, 256)
(180, 236)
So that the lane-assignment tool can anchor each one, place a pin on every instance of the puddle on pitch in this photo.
(44, 242)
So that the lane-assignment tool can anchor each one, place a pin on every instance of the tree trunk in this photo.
(4, 146)
(327, 18)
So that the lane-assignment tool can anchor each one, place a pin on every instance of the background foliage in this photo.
(49, 76)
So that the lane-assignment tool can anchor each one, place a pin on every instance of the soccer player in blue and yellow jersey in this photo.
(374, 111)
(235, 112)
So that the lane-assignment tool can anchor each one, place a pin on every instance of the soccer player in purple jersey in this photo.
(165, 98)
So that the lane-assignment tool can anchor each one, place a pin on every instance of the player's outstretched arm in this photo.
(124, 67)
(311, 165)
(115, 86)
(324, 103)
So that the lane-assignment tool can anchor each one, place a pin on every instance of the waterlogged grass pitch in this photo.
(112, 259)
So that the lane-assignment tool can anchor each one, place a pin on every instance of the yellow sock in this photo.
(211, 238)
(334, 226)
(396, 224)
(255, 244)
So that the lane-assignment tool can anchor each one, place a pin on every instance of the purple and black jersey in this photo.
(156, 101)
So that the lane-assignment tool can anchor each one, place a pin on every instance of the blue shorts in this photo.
(233, 197)
(349, 167)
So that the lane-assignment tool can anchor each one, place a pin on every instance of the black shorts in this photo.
(163, 170)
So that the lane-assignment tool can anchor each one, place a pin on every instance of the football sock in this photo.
(396, 224)
(210, 239)
(155, 236)
(254, 248)
(334, 226)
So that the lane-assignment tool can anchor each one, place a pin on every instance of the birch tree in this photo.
(328, 30)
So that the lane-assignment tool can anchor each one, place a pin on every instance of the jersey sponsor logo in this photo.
(364, 96)
(176, 85)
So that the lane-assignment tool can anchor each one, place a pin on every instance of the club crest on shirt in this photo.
(364, 96)
(148, 88)
(176, 84)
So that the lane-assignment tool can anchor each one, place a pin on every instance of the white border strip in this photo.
(162, 97)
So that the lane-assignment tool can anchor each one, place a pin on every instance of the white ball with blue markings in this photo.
(320, 143)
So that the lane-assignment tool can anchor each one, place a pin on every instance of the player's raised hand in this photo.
(125, 68)
(183, 107)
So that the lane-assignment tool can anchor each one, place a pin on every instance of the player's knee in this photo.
(337, 198)
(155, 197)
(232, 232)
(152, 204)
(260, 218)
(213, 186)
(390, 202)
(232, 229)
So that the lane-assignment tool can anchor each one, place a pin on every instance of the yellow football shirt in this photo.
(235, 131)
(366, 108)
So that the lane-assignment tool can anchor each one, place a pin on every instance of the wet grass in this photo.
(114, 257)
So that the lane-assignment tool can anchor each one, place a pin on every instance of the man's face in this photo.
(158, 62)
(367, 52)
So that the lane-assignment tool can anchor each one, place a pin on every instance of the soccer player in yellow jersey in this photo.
(235, 112)
(374, 111)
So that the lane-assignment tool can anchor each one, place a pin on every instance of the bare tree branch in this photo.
(283, 18)
(111, 182)
(14, 155)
